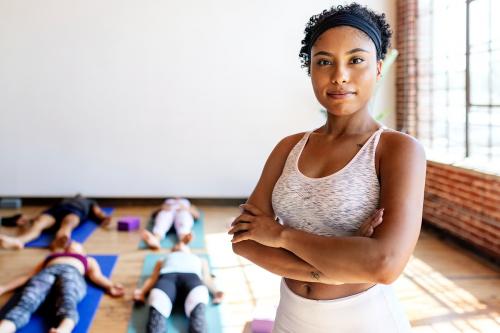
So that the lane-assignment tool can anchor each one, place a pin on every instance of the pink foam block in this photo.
(129, 223)
(262, 326)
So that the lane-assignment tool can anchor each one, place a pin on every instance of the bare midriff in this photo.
(320, 291)
(68, 261)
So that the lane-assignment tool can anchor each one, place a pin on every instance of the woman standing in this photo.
(324, 183)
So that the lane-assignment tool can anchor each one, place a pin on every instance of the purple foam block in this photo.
(129, 223)
(262, 326)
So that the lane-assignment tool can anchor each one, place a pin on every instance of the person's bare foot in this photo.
(150, 239)
(7, 326)
(66, 326)
(10, 243)
(59, 242)
(187, 238)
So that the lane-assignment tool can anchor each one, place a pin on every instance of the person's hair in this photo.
(354, 8)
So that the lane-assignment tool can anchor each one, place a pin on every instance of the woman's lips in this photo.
(340, 95)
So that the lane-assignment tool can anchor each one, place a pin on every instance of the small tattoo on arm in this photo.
(315, 275)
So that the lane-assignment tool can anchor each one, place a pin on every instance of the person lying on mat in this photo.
(183, 276)
(178, 212)
(62, 272)
(66, 215)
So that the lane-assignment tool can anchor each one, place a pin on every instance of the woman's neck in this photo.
(356, 123)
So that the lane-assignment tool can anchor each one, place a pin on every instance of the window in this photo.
(459, 81)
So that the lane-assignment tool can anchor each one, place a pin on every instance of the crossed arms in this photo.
(334, 260)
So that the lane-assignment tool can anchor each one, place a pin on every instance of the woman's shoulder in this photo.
(400, 139)
(278, 157)
(395, 144)
(288, 142)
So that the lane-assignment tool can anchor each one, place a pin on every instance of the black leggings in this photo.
(177, 287)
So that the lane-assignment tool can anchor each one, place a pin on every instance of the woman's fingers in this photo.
(376, 215)
(377, 222)
(368, 227)
(243, 218)
(364, 231)
(241, 237)
(252, 209)
(239, 227)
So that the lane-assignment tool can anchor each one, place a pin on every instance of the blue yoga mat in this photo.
(171, 238)
(177, 323)
(86, 308)
(79, 234)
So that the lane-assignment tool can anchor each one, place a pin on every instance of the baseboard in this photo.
(46, 201)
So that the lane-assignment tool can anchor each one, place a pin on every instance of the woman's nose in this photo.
(339, 75)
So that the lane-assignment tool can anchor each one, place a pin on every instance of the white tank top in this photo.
(335, 205)
(182, 262)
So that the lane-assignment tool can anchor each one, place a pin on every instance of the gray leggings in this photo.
(70, 288)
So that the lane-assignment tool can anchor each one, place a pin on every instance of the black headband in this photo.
(351, 20)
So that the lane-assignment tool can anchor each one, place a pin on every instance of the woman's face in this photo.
(344, 70)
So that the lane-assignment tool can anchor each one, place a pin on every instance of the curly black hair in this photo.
(354, 8)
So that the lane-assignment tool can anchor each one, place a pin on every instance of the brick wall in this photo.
(406, 67)
(462, 202)
(466, 204)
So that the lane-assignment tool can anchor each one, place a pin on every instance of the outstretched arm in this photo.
(95, 275)
(140, 293)
(210, 283)
(20, 280)
(194, 211)
(103, 218)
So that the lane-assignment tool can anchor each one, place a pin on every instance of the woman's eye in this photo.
(323, 62)
(357, 60)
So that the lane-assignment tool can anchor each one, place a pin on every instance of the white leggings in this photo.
(375, 310)
(181, 219)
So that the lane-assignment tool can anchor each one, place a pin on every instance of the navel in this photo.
(307, 288)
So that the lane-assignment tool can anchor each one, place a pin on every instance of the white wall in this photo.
(124, 98)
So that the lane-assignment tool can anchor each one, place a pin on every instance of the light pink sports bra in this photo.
(335, 205)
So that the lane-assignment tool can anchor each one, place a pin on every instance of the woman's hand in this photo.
(116, 290)
(255, 225)
(367, 228)
(106, 222)
(139, 296)
(217, 297)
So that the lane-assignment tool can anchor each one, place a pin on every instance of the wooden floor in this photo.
(443, 288)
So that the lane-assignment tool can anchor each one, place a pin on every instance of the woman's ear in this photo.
(380, 63)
